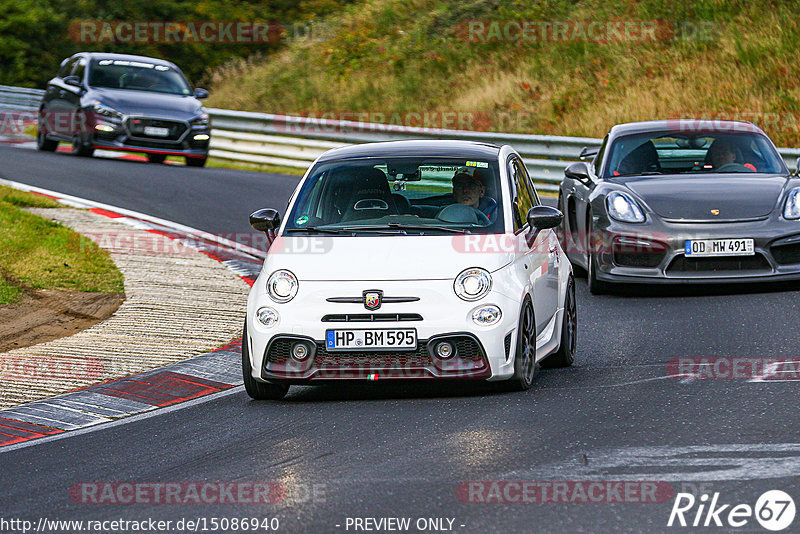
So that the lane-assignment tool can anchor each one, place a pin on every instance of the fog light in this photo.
(202, 137)
(104, 128)
(486, 315)
(300, 351)
(268, 317)
(444, 350)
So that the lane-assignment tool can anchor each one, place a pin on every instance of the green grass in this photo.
(41, 254)
(722, 59)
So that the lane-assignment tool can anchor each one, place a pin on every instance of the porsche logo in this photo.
(372, 299)
(714, 212)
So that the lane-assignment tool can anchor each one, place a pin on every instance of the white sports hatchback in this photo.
(410, 260)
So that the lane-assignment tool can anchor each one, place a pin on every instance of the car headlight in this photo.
(105, 111)
(282, 286)
(200, 122)
(472, 284)
(792, 208)
(623, 208)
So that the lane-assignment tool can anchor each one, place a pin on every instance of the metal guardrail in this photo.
(268, 139)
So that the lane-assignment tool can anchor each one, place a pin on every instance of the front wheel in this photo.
(569, 332)
(525, 366)
(80, 148)
(258, 390)
(43, 143)
(195, 162)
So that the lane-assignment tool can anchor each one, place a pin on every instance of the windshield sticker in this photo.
(479, 164)
(301, 220)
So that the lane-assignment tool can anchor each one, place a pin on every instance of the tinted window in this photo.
(137, 76)
(657, 153)
(524, 197)
(435, 195)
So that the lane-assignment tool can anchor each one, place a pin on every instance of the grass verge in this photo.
(39, 254)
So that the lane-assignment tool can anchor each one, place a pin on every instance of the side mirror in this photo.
(265, 220)
(542, 217)
(578, 171)
(200, 93)
(74, 81)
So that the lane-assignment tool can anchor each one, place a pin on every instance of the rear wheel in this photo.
(156, 158)
(569, 332)
(43, 143)
(258, 390)
(195, 162)
(525, 366)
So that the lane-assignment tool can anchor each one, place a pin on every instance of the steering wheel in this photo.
(733, 167)
(463, 214)
(371, 204)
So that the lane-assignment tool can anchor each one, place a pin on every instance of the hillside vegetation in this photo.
(721, 59)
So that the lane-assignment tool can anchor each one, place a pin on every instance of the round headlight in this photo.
(267, 316)
(472, 284)
(486, 315)
(282, 286)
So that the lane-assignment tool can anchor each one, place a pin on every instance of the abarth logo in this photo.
(714, 212)
(372, 299)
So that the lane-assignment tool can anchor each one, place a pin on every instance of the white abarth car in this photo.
(410, 260)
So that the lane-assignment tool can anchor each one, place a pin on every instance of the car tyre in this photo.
(525, 365)
(565, 356)
(43, 143)
(195, 162)
(79, 148)
(156, 158)
(258, 390)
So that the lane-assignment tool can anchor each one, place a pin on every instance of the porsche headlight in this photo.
(623, 208)
(472, 284)
(792, 208)
(282, 286)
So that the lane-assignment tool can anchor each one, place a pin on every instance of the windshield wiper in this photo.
(318, 230)
(420, 227)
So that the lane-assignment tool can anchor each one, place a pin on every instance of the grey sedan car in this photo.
(681, 201)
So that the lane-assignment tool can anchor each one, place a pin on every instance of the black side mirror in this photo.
(200, 93)
(74, 81)
(542, 217)
(265, 220)
(578, 171)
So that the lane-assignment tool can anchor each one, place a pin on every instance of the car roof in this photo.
(125, 57)
(415, 148)
(684, 126)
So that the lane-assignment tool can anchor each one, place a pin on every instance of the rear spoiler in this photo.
(589, 151)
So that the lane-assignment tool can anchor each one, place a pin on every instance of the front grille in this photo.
(786, 254)
(371, 360)
(163, 145)
(637, 259)
(682, 264)
(137, 125)
(371, 317)
(279, 350)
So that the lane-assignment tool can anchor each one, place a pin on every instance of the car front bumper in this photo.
(482, 352)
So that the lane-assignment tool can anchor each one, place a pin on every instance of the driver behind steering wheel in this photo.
(469, 190)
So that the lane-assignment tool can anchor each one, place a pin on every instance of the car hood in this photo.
(338, 258)
(692, 198)
(144, 103)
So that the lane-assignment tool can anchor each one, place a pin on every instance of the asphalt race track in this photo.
(408, 450)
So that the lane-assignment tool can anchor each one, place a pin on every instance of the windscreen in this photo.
(659, 153)
(402, 195)
(137, 76)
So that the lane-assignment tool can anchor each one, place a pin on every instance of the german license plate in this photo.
(155, 131)
(704, 248)
(397, 338)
